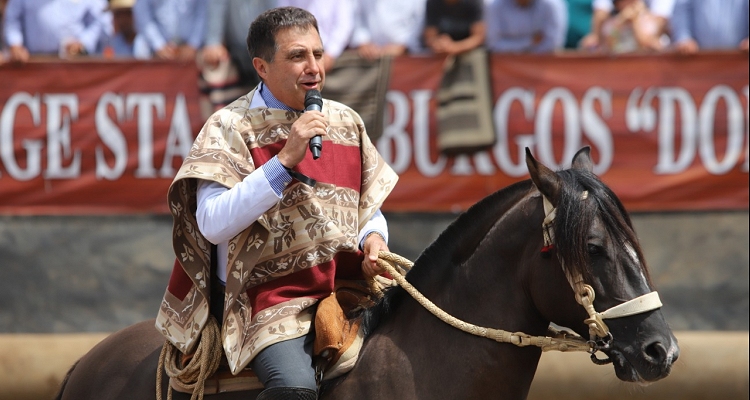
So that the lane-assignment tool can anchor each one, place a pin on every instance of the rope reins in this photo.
(390, 261)
(600, 336)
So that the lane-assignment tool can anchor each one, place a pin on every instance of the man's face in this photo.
(296, 68)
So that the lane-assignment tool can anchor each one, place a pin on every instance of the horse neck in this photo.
(476, 276)
(483, 277)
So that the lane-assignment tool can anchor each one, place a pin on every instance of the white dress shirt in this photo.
(223, 212)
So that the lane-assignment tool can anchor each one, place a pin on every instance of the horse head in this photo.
(589, 238)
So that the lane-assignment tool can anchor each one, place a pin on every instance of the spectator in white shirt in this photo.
(388, 27)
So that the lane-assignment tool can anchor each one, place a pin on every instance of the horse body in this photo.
(486, 269)
(482, 255)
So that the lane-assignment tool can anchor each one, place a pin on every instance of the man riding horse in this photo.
(258, 241)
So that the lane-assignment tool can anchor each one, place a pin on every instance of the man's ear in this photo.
(261, 67)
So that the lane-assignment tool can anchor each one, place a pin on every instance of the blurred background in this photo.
(100, 101)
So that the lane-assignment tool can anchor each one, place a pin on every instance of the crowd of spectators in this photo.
(213, 31)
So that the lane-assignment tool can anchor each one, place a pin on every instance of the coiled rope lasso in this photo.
(202, 365)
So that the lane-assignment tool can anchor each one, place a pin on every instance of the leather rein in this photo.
(600, 338)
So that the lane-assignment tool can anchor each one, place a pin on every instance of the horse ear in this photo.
(544, 178)
(582, 160)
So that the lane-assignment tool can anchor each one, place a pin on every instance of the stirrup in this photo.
(288, 393)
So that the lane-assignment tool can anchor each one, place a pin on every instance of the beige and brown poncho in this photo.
(287, 260)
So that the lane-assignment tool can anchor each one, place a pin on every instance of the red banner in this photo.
(94, 137)
(666, 132)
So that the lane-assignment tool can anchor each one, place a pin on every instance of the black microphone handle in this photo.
(316, 144)
(314, 102)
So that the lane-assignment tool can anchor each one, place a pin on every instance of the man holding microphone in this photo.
(261, 226)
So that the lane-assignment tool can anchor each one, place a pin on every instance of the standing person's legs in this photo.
(286, 370)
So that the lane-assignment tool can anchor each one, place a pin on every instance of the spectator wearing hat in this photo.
(226, 69)
(122, 42)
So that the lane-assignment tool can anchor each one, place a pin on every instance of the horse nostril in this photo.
(656, 352)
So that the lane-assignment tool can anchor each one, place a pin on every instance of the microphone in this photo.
(314, 101)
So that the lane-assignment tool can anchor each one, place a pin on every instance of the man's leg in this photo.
(286, 370)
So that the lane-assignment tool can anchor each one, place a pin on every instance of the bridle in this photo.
(600, 338)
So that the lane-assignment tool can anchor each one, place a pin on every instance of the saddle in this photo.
(338, 339)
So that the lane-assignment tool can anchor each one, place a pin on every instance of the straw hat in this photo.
(120, 4)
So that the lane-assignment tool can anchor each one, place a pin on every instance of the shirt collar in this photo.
(271, 101)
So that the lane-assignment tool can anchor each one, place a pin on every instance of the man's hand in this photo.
(74, 49)
(745, 44)
(374, 244)
(589, 42)
(369, 51)
(688, 46)
(168, 52)
(186, 52)
(311, 123)
(19, 54)
(214, 54)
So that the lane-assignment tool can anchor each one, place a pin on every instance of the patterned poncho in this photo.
(286, 261)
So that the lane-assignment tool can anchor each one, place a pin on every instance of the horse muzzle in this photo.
(652, 362)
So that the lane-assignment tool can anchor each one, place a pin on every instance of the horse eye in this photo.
(595, 250)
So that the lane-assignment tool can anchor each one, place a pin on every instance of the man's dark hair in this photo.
(261, 38)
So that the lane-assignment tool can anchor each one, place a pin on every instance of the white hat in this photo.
(120, 4)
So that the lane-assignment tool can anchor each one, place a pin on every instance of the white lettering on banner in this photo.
(543, 127)
(696, 136)
(396, 147)
(394, 144)
(180, 138)
(58, 136)
(112, 137)
(421, 125)
(501, 115)
(33, 147)
(735, 130)
(482, 162)
(64, 160)
(594, 127)
(145, 102)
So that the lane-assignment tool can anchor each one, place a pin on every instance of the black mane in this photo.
(572, 223)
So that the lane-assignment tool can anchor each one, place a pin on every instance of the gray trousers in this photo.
(287, 364)
(284, 364)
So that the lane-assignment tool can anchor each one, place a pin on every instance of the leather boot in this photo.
(288, 393)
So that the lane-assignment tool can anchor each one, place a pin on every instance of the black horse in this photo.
(494, 266)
